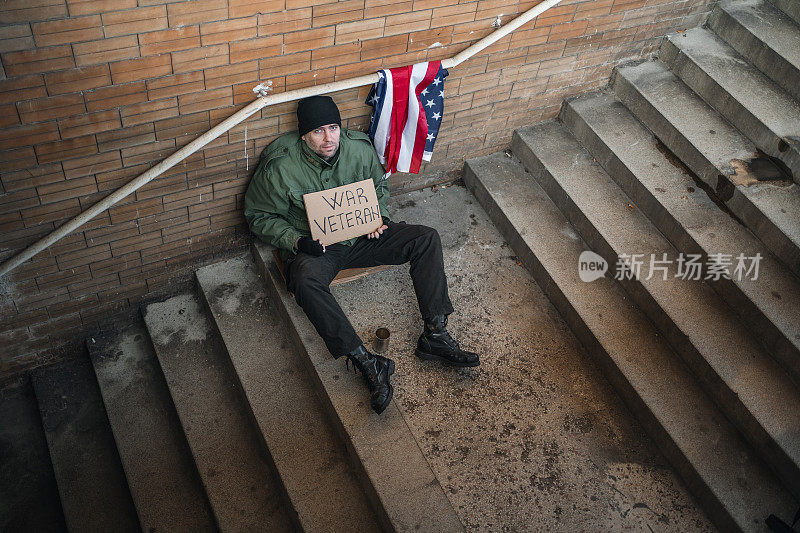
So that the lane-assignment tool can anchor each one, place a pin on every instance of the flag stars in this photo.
(424, 92)
(436, 116)
(430, 136)
(430, 103)
(437, 81)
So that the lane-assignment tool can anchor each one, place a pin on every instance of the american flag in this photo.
(408, 102)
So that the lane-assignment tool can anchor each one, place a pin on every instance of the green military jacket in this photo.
(288, 169)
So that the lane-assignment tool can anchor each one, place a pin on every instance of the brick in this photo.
(86, 166)
(430, 4)
(9, 115)
(76, 80)
(452, 15)
(229, 30)
(149, 111)
(92, 7)
(16, 37)
(184, 232)
(385, 46)
(117, 96)
(113, 180)
(111, 232)
(338, 12)
(625, 5)
(197, 11)
(357, 69)
(358, 31)
(226, 75)
(178, 84)
(135, 210)
(208, 208)
(294, 4)
(17, 320)
(301, 41)
(308, 79)
(83, 256)
(284, 22)
(200, 58)
(73, 305)
(31, 10)
(492, 9)
(43, 109)
(546, 51)
(590, 10)
(186, 198)
(382, 8)
(530, 37)
(148, 153)
(210, 175)
(39, 175)
(57, 212)
(94, 285)
(67, 31)
(568, 30)
(17, 158)
(89, 123)
(189, 126)
(285, 64)
(38, 61)
(26, 136)
(141, 69)
(134, 21)
(136, 243)
(247, 8)
(62, 190)
(22, 88)
(57, 151)
(171, 40)
(106, 50)
(114, 264)
(163, 220)
(407, 22)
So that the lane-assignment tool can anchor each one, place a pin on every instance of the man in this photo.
(321, 155)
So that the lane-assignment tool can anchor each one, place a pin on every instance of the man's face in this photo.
(323, 141)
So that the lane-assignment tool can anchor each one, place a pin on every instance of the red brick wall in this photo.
(94, 92)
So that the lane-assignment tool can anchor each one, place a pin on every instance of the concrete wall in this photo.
(94, 92)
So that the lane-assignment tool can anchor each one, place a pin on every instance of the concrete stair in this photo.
(208, 414)
(152, 447)
(91, 482)
(740, 92)
(663, 164)
(723, 472)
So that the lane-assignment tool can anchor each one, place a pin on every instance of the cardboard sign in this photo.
(341, 213)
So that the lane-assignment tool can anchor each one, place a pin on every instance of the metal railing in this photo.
(241, 115)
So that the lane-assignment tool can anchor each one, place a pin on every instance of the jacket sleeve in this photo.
(265, 210)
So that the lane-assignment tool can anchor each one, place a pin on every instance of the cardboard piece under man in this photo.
(322, 155)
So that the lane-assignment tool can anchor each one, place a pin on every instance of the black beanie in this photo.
(316, 111)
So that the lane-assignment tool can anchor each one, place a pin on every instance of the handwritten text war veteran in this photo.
(320, 156)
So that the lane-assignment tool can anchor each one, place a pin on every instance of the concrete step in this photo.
(764, 35)
(770, 304)
(91, 481)
(789, 7)
(393, 471)
(723, 473)
(29, 499)
(716, 152)
(158, 465)
(225, 446)
(309, 458)
(747, 384)
(753, 103)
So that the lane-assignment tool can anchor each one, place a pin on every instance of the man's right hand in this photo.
(309, 246)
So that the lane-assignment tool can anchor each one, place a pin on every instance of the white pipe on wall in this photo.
(240, 116)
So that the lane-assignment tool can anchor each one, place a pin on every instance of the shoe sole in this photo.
(425, 356)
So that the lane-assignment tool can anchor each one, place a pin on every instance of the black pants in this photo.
(309, 278)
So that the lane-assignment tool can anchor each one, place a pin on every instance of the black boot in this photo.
(376, 370)
(436, 344)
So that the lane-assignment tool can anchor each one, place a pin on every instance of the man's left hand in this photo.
(377, 233)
